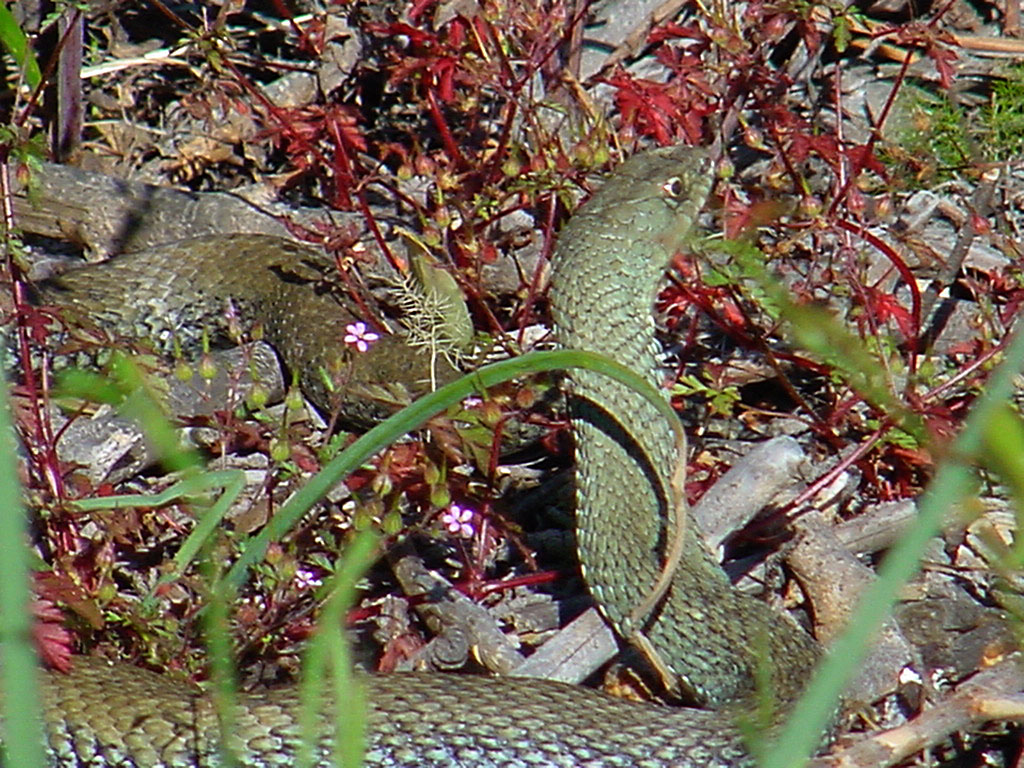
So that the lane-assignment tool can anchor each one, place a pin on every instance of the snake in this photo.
(707, 641)
(188, 295)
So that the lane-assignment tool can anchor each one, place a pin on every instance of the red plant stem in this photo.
(344, 179)
(51, 64)
(744, 338)
(46, 463)
(530, 579)
(915, 295)
(474, 585)
(508, 81)
(886, 109)
(542, 266)
(868, 444)
(933, 22)
(398, 263)
(811, 490)
(968, 370)
(300, 31)
(450, 145)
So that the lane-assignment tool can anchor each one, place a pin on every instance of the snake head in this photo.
(654, 196)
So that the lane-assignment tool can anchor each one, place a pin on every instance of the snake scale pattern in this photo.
(710, 639)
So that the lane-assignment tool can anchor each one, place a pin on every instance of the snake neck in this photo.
(605, 271)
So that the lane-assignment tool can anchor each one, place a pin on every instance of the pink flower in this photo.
(459, 521)
(359, 336)
(307, 579)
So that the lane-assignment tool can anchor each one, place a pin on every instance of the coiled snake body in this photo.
(708, 638)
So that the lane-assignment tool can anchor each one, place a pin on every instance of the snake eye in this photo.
(674, 187)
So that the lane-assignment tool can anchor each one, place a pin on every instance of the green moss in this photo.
(934, 135)
(930, 138)
(1004, 117)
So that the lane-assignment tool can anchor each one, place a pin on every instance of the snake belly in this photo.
(605, 272)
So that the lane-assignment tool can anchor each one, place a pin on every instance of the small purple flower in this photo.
(307, 579)
(459, 521)
(359, 336)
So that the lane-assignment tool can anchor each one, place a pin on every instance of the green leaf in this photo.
(13, 39)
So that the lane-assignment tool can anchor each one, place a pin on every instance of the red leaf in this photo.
(665, 111)
(418, 37)
(636, 105)
(418, 7)
(862, 157)
(51, 639)
(673, 31)
(943, 58)
(885, 307)
(444, 72)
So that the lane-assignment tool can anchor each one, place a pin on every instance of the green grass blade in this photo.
(328, 659)
(952, 483)
(220, 651)
(328, 647)
(130, 389)
(816, 330)
(413, 416)
(19, 688)
(13, 39)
